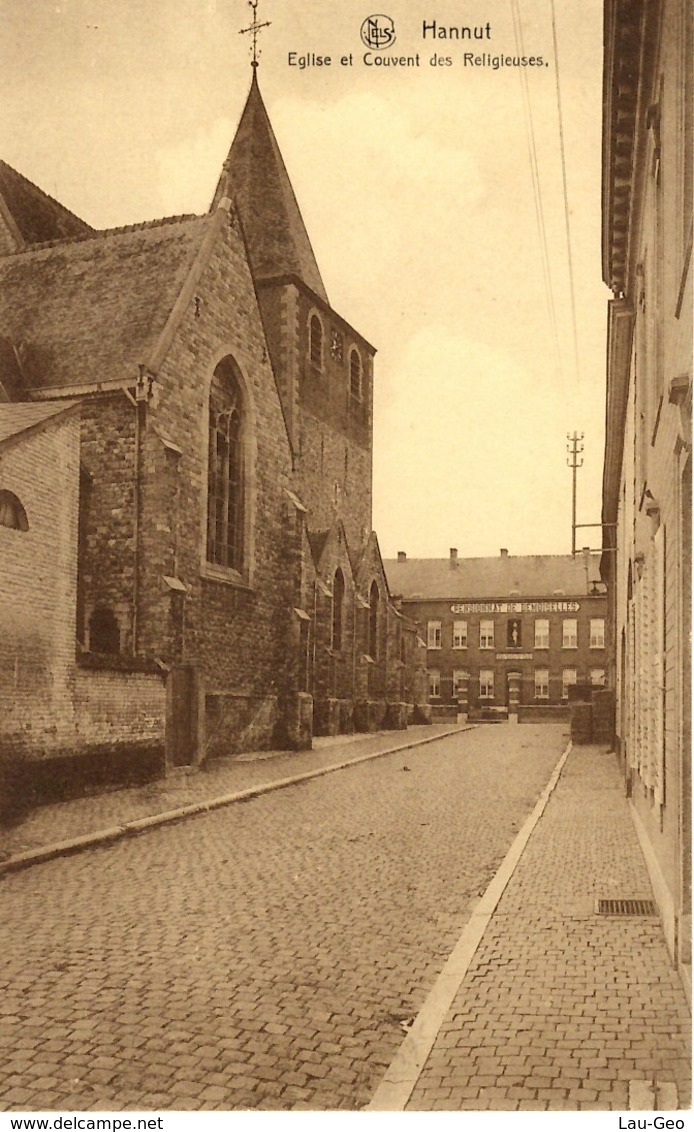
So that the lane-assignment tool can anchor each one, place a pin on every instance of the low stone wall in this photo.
(109, 732)
(543, 713)
(235, 723)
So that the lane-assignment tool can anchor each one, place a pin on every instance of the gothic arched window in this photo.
(374, 599)
(338, 609)
(225, 487)
(104, 631)
(355, 375)
(315, 341)
(12, 514)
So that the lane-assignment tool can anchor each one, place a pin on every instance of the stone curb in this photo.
(398, 1082)
(194, 809)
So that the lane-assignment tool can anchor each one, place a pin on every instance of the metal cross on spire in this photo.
(254, 28)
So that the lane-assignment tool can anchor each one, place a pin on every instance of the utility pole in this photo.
(574, 461)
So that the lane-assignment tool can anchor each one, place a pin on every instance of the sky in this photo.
(417, 189)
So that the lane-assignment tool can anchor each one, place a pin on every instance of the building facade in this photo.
(647, 244)
(506, 635)
(222, 539)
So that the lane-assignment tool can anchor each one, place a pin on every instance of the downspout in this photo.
(142, 392)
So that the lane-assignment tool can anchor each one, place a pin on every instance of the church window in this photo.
(374, 598)
(225, 487)
(338, 610)
(104, 633)
(355, 375)
(336, 345)
(315, 341)
(12, 514)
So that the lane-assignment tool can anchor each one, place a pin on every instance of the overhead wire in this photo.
(566, 196)
(537, 188)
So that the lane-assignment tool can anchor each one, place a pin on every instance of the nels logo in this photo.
(378, 32)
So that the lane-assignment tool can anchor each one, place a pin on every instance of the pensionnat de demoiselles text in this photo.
(431, 31)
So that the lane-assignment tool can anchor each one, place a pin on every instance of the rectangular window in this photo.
(569, 633)
(568, 676)
(486, 684)
(434, 684)
(541, 633)
(597, 632)
(597, 676)
(433, 634)
(459, 680)
(460, 634)
(486, 634)
(541, 683)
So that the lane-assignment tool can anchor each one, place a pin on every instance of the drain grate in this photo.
(626, 908)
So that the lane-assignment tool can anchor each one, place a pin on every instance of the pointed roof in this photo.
(256, 178)
(91, 309)
(33, 215)
(20, 417)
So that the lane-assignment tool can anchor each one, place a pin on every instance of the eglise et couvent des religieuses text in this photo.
(432, 30)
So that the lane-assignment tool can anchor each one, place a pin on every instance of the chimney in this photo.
(402, 557)
(504, 552)
(454, 556)
(585, 549)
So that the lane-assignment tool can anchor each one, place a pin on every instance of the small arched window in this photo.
(355, 375)
(315, 341)
(225, 487)
(338, 609)
(374, 599)
(12, 514)
(104, 631)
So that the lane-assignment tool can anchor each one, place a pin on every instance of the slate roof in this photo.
(38, 217)
(256, 179)
(90, 309)
(472, 579)
(19, 416)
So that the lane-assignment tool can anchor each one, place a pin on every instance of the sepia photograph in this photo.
(345, 562)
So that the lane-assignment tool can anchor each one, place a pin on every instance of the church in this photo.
(188, 566)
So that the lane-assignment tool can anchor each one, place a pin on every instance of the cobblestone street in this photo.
(268, 955)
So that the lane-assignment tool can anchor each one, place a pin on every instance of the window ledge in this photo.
(117, 662)
(211, 573)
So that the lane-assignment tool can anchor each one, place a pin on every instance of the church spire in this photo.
(255, 177)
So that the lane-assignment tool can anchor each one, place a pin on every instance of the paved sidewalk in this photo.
(562, 1008)
(62, 823)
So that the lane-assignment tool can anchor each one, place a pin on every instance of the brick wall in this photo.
(48, 705)
(38, 586)
(118, 707)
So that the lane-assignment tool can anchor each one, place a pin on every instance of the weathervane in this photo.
(254, 29)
